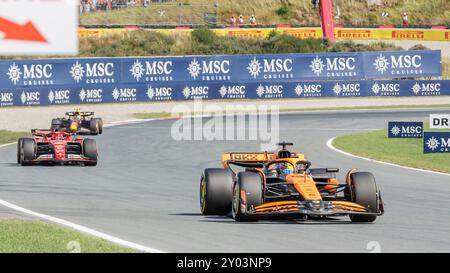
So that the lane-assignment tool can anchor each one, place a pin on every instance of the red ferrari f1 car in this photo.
(51, 147)
(283, 184)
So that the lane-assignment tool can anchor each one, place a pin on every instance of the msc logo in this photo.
(91, 95)
(269, 91)
(159, 93)
(347, 89)
(232, 92)
(30, 97)
(210, 70)
(196, 92)
(154, 70)
(334, 66)
(436, 142)
(386, 89)
(271, 68)
(400, 129)
(59, 96)
(124, 94)
(98, 72)
(31, 74)
(398, 65)
(6, 99)
(308, 90)
(426, 89)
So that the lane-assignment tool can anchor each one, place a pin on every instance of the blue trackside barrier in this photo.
(226, 69)
(177, 91)
(97, 80)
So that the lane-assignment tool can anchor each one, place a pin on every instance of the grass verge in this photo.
(34, 236)
(8, 136)
(406, 152)
(275, 12)
(166, 114)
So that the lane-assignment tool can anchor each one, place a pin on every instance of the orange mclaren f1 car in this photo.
(282, 183)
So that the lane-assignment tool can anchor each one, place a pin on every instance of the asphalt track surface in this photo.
(145, 190)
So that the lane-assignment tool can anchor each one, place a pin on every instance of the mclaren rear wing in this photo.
(251, 159)
(244, 159)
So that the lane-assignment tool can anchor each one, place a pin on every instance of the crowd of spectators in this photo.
(93, 5)
(241, 20)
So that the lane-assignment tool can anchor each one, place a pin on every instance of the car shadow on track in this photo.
(269, 221)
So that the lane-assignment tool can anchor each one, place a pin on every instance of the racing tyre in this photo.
(94, 126)
(216, 191)
(248, 192)
(19, 150)
(28, 151)
(90, 152)
(56, 125)
(364, 192)
(100, 127)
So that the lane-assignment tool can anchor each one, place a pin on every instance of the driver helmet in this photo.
(77, 113)
(282, 168)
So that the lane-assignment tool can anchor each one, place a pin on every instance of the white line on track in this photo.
(82, 229)
(330, 145)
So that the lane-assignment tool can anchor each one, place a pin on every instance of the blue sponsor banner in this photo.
(225, 69)
(402, 64)
(176, 91)
(405, 129)
(436, 142)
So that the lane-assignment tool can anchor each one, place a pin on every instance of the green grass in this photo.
(166, 114)
(275, 12)
(8, 136)
(151, 115)
(33, 236)
(405, 152)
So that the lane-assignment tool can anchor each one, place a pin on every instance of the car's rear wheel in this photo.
(94, 126)
(28, 151)
(90, 152)
(216, 191)
(247, 193)
(364, 192)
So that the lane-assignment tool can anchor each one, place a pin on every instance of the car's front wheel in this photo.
(28, 151)
(364, 191)
(90, 152)
(19, 150)
(247, 193)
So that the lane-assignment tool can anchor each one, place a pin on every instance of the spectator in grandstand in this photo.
(232, 20)
(405, 19)
(252, 20)
(241, 20)
(315, 3)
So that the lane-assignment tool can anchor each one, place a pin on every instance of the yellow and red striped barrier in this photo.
(300, 32)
